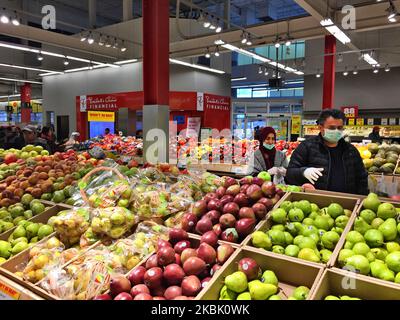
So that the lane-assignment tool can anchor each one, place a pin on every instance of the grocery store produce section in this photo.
(76, 228)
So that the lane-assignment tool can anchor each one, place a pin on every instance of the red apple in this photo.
(123, 296)
(247, 212)
(268, 188)
(226, 199)
(230, 235)
(254, 192)
(165, 256)
(250, 267)
(227, 221)
(143, 296)
(232, 208)
(187, 253)
(245, 226)
(259, 210)
(189, 221)
(152, 262)
(242, 200)
(176, 235)
(204, 225)
(153, 277)
(199, 208)
(214, 204)
(213, 215)
(181, 245)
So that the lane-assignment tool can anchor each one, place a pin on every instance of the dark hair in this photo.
(107, 129)
(46, 130)
(325, 114)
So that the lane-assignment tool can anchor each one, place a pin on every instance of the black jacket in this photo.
(313, 153)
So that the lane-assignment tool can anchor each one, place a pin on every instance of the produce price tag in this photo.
(360, 121)
(7, 293)
(384, 122)
(370, 122)
(392, 121)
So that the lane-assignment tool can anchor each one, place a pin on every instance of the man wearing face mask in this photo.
(327, 160)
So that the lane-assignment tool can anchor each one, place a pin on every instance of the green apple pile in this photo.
(373, 246)
(19, 213)
(301, 229)
(331, 297)
(251, 283)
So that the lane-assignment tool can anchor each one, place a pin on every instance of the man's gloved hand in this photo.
(282, 171)
(313, 174)
(273, 171)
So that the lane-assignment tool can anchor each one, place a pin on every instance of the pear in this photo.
(226, 294)
(309, 230)
(288, 238)
(379, 253)
(377, 222)
(260, 239)
(280, 227)
(278, 249)
(274, 297)
(387, 275)
(309, 255)
(374, 238)
(361, 248)
(388, 229)
(348, 298)
(344, 254)
(368, 215)
(307, 242)
(371, 202)
(261, 291)
(277, 237)
(331, 298)
(244, 296)
(279, 215)
(300, 293)
(237, 282)
(358, 263)
(348, 245)
(341, 221)
(393, 261)
(269, 277)
(315, 237)
(330, 239)
(354, 237)
(361, 226)
(314, 208)
(386, 211)
(322, 222)
(377, 267)
(370, 256)
(325, 255)
(313, 215)
(308, 221)
(292, 250)
(296, 214)
(392, 247)
(397, 278)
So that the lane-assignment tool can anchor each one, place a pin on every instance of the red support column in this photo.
(26, 92)
(328, 100)
(156, 52)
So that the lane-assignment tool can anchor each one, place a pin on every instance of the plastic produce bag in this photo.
(112, 222)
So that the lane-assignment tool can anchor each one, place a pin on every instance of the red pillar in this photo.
(156, 52)
(328, 100)
(26, 92)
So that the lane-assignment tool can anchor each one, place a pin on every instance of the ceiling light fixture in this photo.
(335, 31)
(369, 59)
(266, 73)
(4, 17)
(355, 71)
(83, 36)
(387, 68)
(196, 66)
(345, 72)
(108, 42)
(239, 79)
(340, 58)
(27, 68)
(392, 12)
(244, 38)
(216, 53)
(260, 70)
(318, 75)
(90, 39)
(116, 44)
(40, 56)
(19, 80)
(66, 62)
(219, 28)
(206, 23)
(375, 70)
(101, 40)
(15, 19)
(208, 55)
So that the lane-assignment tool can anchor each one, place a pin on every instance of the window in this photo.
(244, 93)
(3, 116)
(260, 93)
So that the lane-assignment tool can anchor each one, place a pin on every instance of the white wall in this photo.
(60, 91)
(367, 90)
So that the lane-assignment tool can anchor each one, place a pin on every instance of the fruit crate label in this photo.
(7, 293)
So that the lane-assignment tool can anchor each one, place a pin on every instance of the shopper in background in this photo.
(48, 135)
(107, 131)
(72, 141)
(30, 137)
(327, 161)
(374, 136)
(139, 134)
(267, 158)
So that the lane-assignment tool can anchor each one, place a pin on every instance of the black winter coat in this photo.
(313, 153)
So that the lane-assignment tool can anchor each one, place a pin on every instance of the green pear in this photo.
(274, 297)
(300, 293)
(292, 250)
(341, 221)
(304, 205)
(299, 227)
(387, 275)
(358, 263)
(261, 291)
(279, 227)
(368, 215)
(348, 298)
(343, 255)
(392, 247)
(278, 249)
(361, 248)
(370, 256)
(288, 238)
(226, 294)
(348, 245)
(325, 255)
(354, 237)
(393, 261)
(313, 215)
(374, 238)
(386, 210)
(331, 298)
(307, 242)
(322, 222)
(309, 230)
(397, 278)
(377, 222)
(269, 277)
(388, 229)
(361, 226)
(279, 215)
(377, 267)
(286, 205)
(309, 255)
(237, 282)
(296, 214)
(277, 237)
(244, 296)
(314, 208)
(315, 237)
(292, 298)
(19, 247)
(379, 253)
(297, 240)
(398, 229)
(348, 212)
(260, 239)
(338, 230)
(371, 202)
(330, 239)
(308, 221)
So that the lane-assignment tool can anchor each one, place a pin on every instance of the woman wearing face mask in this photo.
(327, 160)
(267, 158)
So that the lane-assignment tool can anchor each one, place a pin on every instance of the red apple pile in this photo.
(233, 210)
(177, 271)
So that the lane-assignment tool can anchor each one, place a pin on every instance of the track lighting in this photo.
(15, 19)
(123, 47)
(340, 58)
(375, 70)
(206, 23)
(387, 68)
(244, 38)
(266, 73)
(208, 55)
(90, 39)
(83, 36)
(345, 72)
(101, 40)
(392, 12)
(4, 17)
(216, 53)
(219, 28)
(40, 56)
(66, 62)
(115, 45)
(355, 71)
(260, 70)
(318, 75)
(108, 42)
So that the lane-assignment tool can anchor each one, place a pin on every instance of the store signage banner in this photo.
(350, 112)
(200, 101)
(296, 124)
(194, 124)
(82, 103)
(217, 111)
(101, 116)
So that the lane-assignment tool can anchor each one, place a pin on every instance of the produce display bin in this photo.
(339, 283)
(10, 290)
(290, 272)
(321, 200)
(335, 194)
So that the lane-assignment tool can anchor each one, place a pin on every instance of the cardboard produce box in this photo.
(340, 194)
(290, 272)
(321, 200)
(340, 283)
(10, 290)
